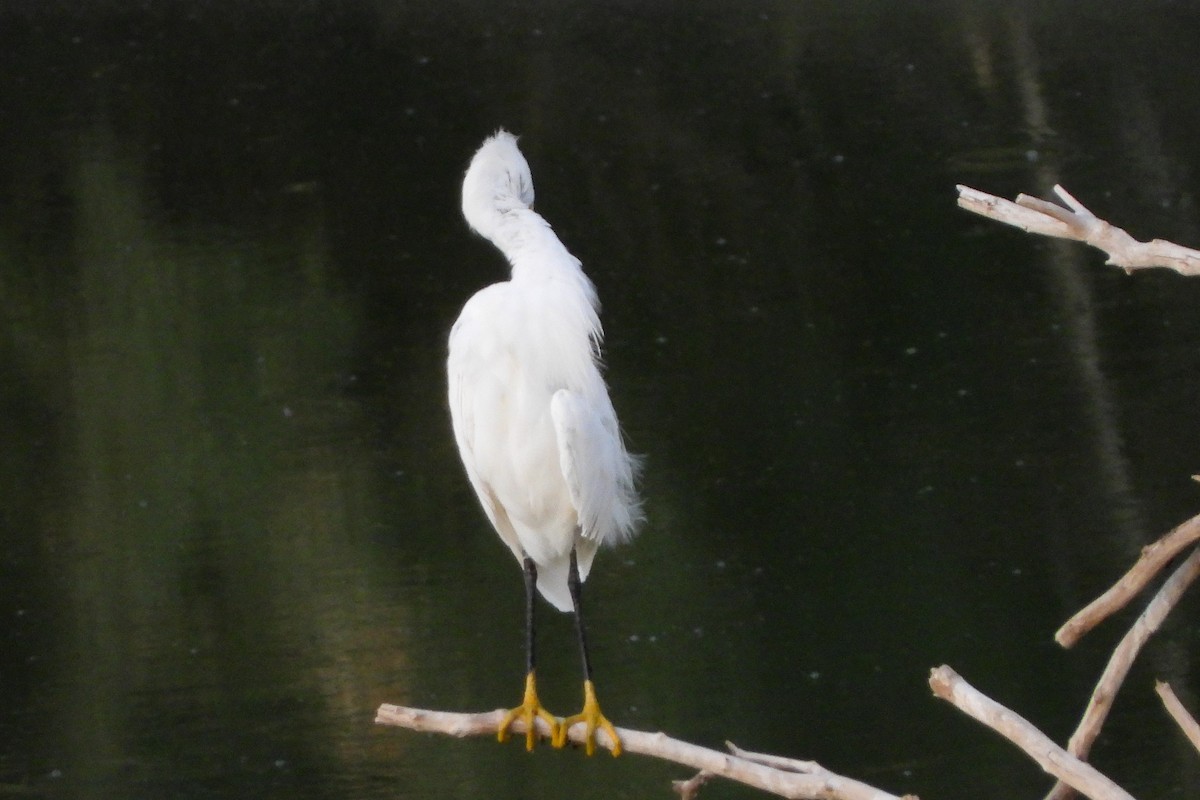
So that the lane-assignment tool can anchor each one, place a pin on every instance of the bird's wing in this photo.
(463, 403)
(590, 454)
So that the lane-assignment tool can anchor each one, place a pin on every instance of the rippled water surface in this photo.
(881, 434)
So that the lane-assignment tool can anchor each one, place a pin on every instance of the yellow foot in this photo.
(594, 719)
(528, 712)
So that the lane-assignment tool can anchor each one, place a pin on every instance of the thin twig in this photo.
(1185, 721)
(950, 686)
(1154, 557)
(789, 764)
(687, 790)
(777, 762)
(822, 785)
(1076, 222)
(1122, 659)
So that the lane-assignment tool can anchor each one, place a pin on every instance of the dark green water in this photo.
(881, 434)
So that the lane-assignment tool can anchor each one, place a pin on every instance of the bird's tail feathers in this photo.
(628, 514)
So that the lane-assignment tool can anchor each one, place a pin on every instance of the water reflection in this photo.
(880, 435)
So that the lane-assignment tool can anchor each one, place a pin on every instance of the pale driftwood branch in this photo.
(790, 765)
(1122, 659)
(1153, 558)
(1185, 721)
(687, 790)
(1076, 222)
(776, 762)
(750, 769)
(950, 686)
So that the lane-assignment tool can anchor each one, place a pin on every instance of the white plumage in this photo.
(534, 424)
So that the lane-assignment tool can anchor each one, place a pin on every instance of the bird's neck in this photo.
(532, 249)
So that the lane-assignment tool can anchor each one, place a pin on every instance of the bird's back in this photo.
(511, 351)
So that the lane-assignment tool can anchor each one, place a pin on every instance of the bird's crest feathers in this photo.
(497, 182)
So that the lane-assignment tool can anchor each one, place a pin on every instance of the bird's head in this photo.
(498, 181)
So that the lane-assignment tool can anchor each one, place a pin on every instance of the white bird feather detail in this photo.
(532, 417)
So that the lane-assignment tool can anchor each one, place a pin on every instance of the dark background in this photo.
(881, 434)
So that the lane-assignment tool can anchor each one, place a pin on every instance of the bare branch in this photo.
(1122, 659)
(777, 762)
(789, 764)
(687, 790)
(792, 783)
(1071, 203)
(1076, 222)
(1010, 213)
(1154, 557)
(1185, 721)
(950, 686)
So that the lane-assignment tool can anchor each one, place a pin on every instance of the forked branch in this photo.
(1153, 558)
(1122, 660)
(801, 780)
(1074, 221)
(950, 686)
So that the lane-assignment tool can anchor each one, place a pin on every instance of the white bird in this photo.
(532, 417)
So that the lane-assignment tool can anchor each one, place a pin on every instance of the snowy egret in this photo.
(534, 424)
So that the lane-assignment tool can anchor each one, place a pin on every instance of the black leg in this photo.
(591, 714)
(576, 588)
(531, 708)
(530, 628)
